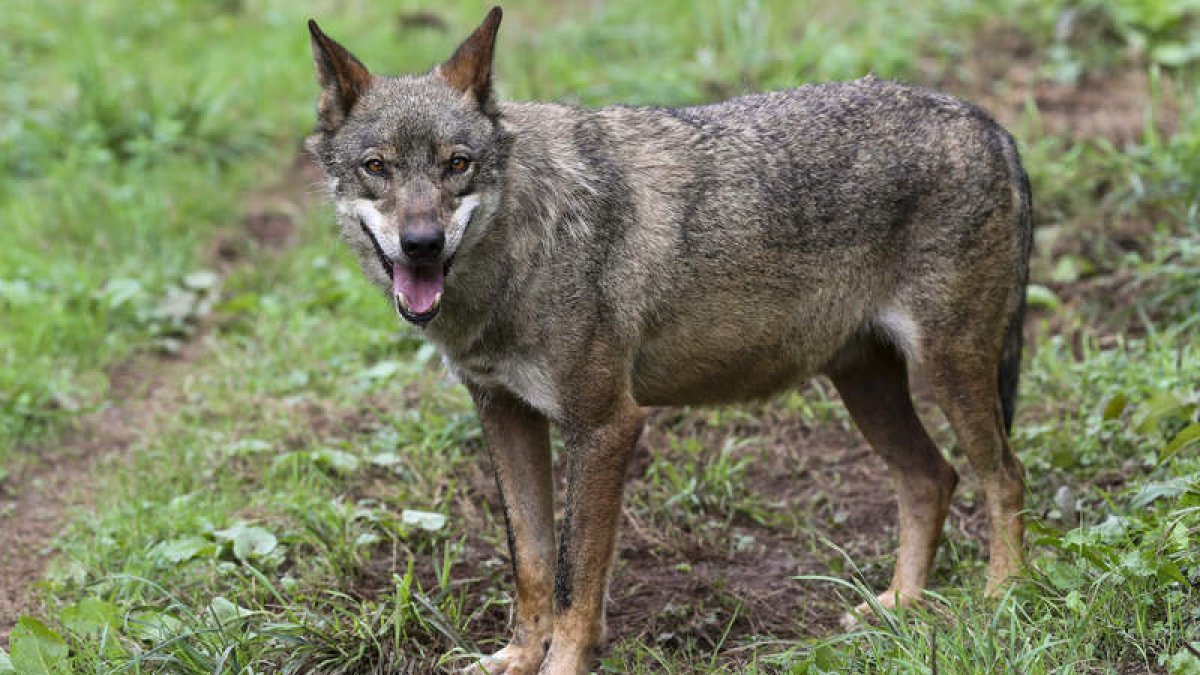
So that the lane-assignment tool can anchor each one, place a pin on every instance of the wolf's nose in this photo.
(423, 246)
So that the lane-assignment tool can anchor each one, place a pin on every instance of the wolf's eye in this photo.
(374, 167)
(458, 164)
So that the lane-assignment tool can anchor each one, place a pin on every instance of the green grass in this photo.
(274, 517)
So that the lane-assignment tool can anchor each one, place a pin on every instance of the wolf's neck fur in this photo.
(562, 191)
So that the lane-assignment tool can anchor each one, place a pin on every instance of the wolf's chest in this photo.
(527, 376)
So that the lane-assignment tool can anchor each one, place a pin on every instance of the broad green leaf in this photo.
(95, 617)
(1074, 602)
(201, 280)
(67, 571)
(1183, 662)
(1189, 435)
(181, 550)
(1114, 407)
(254, 542)
(1038, 295)
(226, 611)
(91, 616)
(243, 303)
(1176, 53)
(6, 666)
(153, 626)
(337, 460)
(1063, 457)
(117, 292)
(1152, 492)
(1160, 407)
(1139, 563)
(1070, 268)
(385, 459)
(176, 305)
(1064, 576)
(230, 533)
(431, 522)
(1113, 528)
(248, 541)
(37, 650)
(1168, 571)
(290, 461)
(382, 370)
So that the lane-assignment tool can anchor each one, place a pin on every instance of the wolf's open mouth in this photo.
(416, 291)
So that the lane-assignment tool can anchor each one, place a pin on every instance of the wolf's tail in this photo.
(1010, 366)
(1010, 356)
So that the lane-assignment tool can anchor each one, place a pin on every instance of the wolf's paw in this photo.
(864, 613)
(512, 660)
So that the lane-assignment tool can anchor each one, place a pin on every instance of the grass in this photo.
(312, 498)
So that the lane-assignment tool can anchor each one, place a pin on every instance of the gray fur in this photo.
(637, 256)
(789, 220)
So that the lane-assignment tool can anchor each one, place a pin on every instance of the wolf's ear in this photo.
(343, 78)
(470, 68)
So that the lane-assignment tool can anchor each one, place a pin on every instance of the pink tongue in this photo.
(419, 286)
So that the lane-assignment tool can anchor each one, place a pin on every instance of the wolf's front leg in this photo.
(518, 440)
(598, 445)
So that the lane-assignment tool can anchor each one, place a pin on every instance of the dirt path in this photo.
(35, 502)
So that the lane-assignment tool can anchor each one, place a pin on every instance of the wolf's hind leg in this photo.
(965, 378)
(518, 440)
(874, 387)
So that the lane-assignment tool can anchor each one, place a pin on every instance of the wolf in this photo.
(575, 266)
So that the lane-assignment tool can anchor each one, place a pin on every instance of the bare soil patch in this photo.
(272, 214)
(675, 587)
(1004, 72)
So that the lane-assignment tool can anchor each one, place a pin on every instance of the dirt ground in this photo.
(827, 472)
(1004, 74)
(667, 587)
(141, 391)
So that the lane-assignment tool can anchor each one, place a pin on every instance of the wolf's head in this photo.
(414, 163)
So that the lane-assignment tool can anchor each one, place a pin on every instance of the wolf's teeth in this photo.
(400, 303)
(437, 299)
